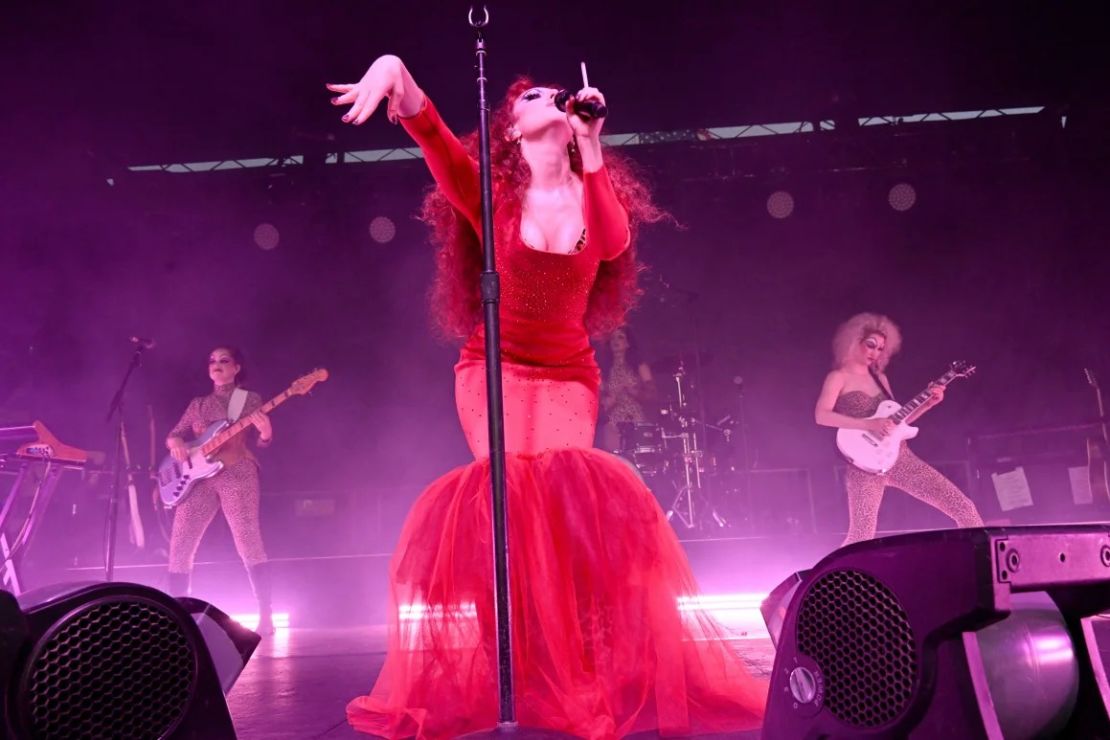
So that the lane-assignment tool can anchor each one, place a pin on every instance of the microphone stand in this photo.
(115, 408)
(491, 300)
(745, 456)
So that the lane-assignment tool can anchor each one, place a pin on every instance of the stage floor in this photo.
(298, 682)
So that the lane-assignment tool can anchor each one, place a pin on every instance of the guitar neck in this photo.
(921, 398)
(237, 428)
(1093, 382)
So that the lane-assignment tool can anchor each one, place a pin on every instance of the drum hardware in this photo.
(675, 460)
(643, 444)
(691, 500)
(692, 503)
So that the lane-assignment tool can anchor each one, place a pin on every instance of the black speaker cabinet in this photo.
(954, 634)
(110, 660)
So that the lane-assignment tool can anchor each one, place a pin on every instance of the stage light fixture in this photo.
(780, 204)
(266, 236)
(382, 229)
(902, 196)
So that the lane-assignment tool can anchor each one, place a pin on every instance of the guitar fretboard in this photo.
(921, 398)
(223, 437)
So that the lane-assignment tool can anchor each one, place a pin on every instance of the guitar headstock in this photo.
(961, 369)
(304, 384)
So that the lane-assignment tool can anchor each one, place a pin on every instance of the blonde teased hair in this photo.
(858, 328)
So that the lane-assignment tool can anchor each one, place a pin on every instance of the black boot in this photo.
(263, 591)
(179, 583)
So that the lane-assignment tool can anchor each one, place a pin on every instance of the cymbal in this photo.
(669, 364)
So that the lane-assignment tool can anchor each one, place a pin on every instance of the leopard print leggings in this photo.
(235, 490)
(914, 476)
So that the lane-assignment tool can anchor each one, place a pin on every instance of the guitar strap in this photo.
(235, 405)
(879, 382)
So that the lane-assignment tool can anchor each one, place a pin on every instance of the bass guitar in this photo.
(875, 454)
(176, 480)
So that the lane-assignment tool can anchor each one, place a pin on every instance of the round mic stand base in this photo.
(513, 730)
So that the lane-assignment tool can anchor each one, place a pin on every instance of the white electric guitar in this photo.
(874, 454)
(176, 480)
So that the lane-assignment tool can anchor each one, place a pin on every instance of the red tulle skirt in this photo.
(600, 646)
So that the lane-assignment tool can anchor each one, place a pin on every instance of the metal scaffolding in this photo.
(712, 134)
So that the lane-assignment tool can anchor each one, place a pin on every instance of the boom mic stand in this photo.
(115, 408)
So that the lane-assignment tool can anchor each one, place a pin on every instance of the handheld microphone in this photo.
(144, 343)
(587, 110)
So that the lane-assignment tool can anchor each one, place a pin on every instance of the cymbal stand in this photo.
(690, 498)
(745, 455)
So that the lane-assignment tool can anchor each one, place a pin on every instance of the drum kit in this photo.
(687, 461)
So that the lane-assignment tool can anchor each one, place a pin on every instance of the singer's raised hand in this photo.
(388, 78)
(590, 129)
(588, 133)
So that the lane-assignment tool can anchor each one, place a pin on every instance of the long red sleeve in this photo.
(606, 219)
(454, 170)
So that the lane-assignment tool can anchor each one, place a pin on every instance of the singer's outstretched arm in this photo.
(387, 77)
(454, 170)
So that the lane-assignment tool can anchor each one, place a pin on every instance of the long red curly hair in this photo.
(454, 296)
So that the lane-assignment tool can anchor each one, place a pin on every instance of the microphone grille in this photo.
(561, 99)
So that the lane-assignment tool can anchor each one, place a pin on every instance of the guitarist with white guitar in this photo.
(857, 400)
(235, 489)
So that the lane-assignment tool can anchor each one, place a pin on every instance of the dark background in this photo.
(1002, 261)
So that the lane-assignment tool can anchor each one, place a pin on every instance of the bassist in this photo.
(235, 489)
(850, 395)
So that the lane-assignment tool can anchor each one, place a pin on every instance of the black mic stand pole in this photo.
(115, 408)
(745, 455)
(491, 300)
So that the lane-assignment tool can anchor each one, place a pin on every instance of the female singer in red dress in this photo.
(601, 648)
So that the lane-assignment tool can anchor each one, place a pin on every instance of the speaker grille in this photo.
(853, 627)
(121, 669)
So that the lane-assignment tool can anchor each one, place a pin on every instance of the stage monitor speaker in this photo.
(117, 660)
(964, 633)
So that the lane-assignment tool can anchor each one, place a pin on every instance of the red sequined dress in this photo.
(601, 647)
